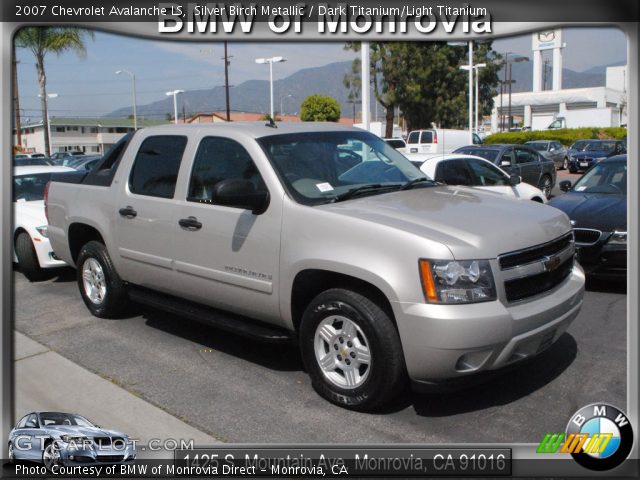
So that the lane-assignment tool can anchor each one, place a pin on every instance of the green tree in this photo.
(425, 81)
(41, 41)
(386, 64)
(434, 90)
(320, 108)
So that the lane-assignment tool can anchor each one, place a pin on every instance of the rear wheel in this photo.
(565, 164)
(352, 350)
(102, 289)
(12, 454)
(27, 258)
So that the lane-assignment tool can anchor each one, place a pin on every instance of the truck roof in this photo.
(257, 129)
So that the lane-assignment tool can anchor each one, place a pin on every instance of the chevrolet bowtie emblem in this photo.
(550, 263)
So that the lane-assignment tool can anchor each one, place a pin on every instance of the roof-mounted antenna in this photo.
(271, 123)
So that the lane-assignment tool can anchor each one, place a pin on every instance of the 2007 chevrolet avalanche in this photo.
(324, 235)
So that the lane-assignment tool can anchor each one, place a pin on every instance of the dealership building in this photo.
(603, 106)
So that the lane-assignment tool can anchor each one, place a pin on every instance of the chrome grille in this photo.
(535, 270)
(535, 253)
(586, 236)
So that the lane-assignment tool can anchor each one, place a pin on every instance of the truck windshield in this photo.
(321, 167)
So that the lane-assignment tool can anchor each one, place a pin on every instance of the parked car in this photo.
(438, 140)
(31, 247)
(521, 160)
(64, 158)
(397, 143)
(470, 171)
(576, 147)
(597, 207)
(28, 161)
(553, 151)
(64, 439)
(376, 273)
(85, 162)
(593, 152)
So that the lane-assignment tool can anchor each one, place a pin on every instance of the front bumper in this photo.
(444, 342)
(83, 455)
(46, 257)
(604, 260)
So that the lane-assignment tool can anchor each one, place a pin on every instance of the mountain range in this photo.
(253, 95)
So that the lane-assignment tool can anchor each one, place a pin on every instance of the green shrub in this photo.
(320, 108)
(565, 136)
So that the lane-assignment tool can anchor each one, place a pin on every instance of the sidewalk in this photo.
(46, 381)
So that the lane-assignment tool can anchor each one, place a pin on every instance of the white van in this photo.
(438, 140)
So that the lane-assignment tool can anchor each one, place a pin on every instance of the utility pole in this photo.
(504, 83)
(226, 81)
(16, 101)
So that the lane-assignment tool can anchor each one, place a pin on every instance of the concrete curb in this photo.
(46, 381)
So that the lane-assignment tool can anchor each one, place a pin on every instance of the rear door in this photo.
(230, 258)
(146, 213)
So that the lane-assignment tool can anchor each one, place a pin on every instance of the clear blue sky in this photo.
(90, 87)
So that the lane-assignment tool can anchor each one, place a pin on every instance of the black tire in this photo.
(565, 163)
(115, 299)
(385, 375)
(51, 456)
(12, 455)
(27, 258)
(546, 185)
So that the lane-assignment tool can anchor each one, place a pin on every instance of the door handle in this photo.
(128, 212)
(190, 223)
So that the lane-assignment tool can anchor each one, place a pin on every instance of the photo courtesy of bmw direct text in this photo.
(307, 239)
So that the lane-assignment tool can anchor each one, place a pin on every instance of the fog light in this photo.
(72, 458)
(472, 361)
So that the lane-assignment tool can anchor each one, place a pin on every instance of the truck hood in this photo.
(602, 211)
(471, 223)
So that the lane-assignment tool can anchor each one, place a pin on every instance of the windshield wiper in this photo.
(364, 189)
(412, 183)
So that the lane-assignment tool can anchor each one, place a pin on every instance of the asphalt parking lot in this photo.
(238, 390)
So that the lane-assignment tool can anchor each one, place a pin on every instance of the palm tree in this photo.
(42, 40)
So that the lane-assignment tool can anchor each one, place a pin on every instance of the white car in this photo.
(472, 171)
(31, 247)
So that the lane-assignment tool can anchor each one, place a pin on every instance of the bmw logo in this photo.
(606, 434)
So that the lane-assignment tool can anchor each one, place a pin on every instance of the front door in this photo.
(226, 256)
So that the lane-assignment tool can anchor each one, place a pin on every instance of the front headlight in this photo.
(451, 281)
(43, 231)
(618, 238)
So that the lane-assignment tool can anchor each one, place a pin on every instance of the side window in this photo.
(486, 174)
(507, 156)
(32, 421)
(22, 422)
(453, 172)
(524, 156)
(220, 159)
(155, 168)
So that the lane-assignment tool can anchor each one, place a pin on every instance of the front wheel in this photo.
(565, 164)
(546, 186)
(102, 289)
(50, 456)
(351, 350)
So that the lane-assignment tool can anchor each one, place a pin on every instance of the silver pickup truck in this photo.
(325, 236)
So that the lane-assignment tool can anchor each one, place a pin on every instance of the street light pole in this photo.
(175, 93)
(271, 61)
(133, 89)
(470, 92)
(477, 68)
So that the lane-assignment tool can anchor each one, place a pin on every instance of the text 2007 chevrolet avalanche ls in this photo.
(325, 235)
